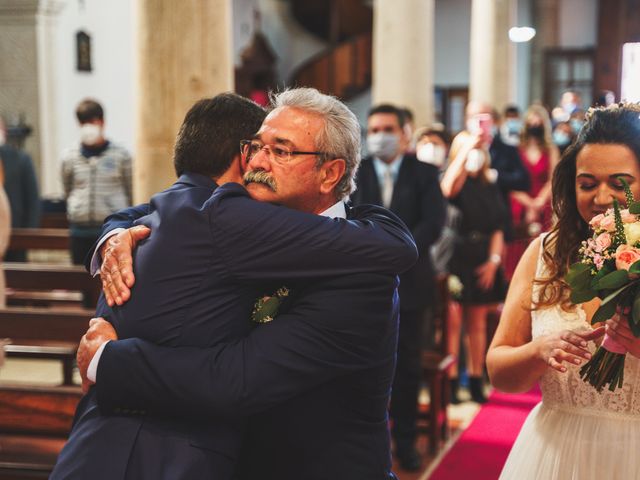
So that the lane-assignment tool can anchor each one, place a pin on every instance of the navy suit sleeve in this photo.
(432, 213)
(260, 241)
(317, 341)
(121, 219)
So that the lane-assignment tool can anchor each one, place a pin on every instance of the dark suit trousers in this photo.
(404, 397)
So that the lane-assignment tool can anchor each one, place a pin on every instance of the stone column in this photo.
(491, 53)
(403, 55)
(184, 54)
(546, 20)
(50, 185)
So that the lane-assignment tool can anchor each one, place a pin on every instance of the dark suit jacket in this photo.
(207, 260)
(512, 174)
(418, 201)
(21, 186)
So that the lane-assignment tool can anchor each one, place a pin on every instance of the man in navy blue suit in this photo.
(181, 412)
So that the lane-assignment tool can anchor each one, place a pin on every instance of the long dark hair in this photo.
(617, 124)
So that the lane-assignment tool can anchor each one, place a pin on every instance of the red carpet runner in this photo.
(483, 447)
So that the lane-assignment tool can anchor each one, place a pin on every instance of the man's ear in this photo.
(331, 173)
(242, 162)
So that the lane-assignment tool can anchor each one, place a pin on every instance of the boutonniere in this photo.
(266, 308)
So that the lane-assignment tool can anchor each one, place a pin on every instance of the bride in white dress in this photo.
(575, 433)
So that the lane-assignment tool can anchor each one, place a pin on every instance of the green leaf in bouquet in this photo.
(609, 298)
(635, 311)
(635, 267)
(613, 280)
(635, 327)
(635, 208)
(579, 276)
(604, 312)
(581, 296)
(606, 269)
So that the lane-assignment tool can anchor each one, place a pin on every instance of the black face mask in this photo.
(536, 131)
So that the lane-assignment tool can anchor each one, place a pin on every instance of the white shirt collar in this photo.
(336, 210)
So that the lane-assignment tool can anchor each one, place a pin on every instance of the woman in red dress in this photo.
(531, 211)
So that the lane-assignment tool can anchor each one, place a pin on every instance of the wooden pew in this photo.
(39, 238)
(45, 334)
(47, 277)
(34, 424)
(436, 363)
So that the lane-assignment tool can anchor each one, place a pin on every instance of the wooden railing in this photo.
(343, 71)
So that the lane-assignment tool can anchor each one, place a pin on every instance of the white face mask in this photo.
(383, 145)
(432, 153)
(90, 134)
(3, 137)
(476, 159)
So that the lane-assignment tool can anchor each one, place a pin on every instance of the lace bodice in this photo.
(567, 390)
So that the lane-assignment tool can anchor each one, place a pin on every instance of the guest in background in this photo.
(531, 210)
(409, 188)
(96, 176)
(506, 165)
(478, 250)
(563, 136)
(511, 126)
(432, 147)
(21, 188)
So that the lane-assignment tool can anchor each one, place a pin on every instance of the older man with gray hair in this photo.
(314, 378)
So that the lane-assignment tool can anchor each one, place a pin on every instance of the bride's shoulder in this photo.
(529, 260)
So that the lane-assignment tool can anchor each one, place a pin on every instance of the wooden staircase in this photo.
(344, 68)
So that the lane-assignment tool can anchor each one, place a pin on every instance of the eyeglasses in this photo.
(250, 148)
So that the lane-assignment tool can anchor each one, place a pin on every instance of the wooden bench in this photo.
(39, 238)
(44, 334)
(34, 424)
(47, 277)
(436, 363)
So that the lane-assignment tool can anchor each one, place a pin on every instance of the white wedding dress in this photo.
(576, 433)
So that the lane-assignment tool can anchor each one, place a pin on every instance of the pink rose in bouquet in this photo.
(602, 242)
(626, 256)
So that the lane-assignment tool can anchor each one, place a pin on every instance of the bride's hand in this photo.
(618, 329)
(566, 346)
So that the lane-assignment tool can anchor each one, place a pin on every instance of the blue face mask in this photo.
(576, 125)
(561, 139)
(513, 126)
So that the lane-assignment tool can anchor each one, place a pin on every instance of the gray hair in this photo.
(340, 137)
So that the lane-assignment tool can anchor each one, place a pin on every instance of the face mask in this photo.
(561, 138)
(383, 145)
(90, 134)
(576, 125)
(513, 126)
(536, 131)
(475, 160)
(432, 154)
(510, 132)
(569, 107)
(3, 137)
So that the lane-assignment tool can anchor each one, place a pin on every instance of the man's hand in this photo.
(100, 331)
(116, 272)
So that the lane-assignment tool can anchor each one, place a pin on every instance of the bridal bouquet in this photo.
(609, 268)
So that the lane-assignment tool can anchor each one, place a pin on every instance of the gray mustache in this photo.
(259, 176)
